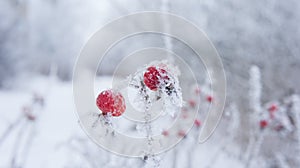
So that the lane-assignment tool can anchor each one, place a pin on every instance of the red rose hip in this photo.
(263, 123)
(181, 133)
(153, 76)
(112, 102)
(197, 122)
(209, 98)
(165, 133)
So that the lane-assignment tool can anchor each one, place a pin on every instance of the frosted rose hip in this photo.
(112, 102)
(153, 76)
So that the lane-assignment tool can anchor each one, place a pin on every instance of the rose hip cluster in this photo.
(272, 110)
(112, 102)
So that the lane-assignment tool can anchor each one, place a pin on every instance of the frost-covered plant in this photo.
(156, 81)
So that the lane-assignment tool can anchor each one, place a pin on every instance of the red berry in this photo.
(112, 102)
(30, 117)
(165, 133)
(273, 108)
(197, 123)
(181, 133)
(209, 98)
(192, 103)
(263, 123)
(153, 76)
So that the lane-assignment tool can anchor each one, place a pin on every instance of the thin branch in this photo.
(10, 129)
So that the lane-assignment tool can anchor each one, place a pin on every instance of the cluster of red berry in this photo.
(182, 133)
(111, 101)
(272, 109)
(191, 104)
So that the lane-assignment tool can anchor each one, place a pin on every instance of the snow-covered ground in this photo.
(55, 122)
(54, 139)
